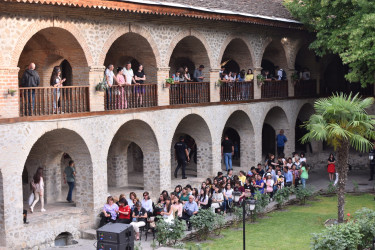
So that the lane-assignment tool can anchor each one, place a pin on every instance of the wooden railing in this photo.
(305, 88)
(189, 92)
(131, 96)
(274, 89)
(49, 100)
(236, 91)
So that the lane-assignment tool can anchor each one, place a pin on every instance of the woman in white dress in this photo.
(168, 211)
(38, 187)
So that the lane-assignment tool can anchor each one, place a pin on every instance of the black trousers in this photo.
(180, 164)
(280, 150)
(372, 171)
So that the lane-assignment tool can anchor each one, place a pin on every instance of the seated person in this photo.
(147, 204)
(239, 188)
(217, 199)
(130, 200)
(110, 211)
(177, 207)
(139, 218)
(185, 195)
(124, 212)
(190, 209)
(203, 199)
(167, 213)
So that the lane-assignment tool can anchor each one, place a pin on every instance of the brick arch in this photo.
(34, 28)
(280, 60)
(291, 48)
(198, 128)
(123, 30)
(142, 134)
(228, 41)
(47, 151)
(258, 59)
(184, 34)
(240, 121)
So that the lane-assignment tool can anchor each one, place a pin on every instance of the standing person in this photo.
(57, 83)
(186, 74)
(181, 155)
(249, 75)
(281, 140)
(198, 74)
(227, 150)
(30, 79)
(121, 97)
(304, 174)
(38, 187)
(129, 80)
(109, 77)
(372, 163)
(331, 167)
(69, 177)
(140, 78)
(288, 174)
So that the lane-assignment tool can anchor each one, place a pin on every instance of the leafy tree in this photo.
(343, 27)
(342, 121)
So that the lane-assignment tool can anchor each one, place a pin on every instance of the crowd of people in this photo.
(215, 193)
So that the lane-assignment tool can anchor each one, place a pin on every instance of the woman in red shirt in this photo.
(124, 211)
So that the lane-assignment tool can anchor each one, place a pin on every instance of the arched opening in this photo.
(268, 140)
(134, 48)
(52, 152)
(304, 114)
(240, 131)
(274, 121)
(2, 226)
(46, 49)
(189, 50)
(66, 72)
(237, 56)
(274, 56)
(195, 130)
(306, 60)
(64, 239)
(133, 158)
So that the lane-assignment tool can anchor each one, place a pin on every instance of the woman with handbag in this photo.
(38, 188)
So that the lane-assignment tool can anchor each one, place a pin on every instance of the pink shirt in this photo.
(120, 79)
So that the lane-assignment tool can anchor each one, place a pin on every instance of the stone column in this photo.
(289, 74)
(163, 91)
(257, 88)
(214, 90)
(258, 144)
(9, 105)
(96, 75)
(165, 168)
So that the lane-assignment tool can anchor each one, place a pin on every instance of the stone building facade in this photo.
(89, 36)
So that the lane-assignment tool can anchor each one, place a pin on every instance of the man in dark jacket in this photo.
(30, 79)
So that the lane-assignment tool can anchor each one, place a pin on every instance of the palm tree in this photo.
(342, 121)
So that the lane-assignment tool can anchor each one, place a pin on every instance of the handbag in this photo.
(31, 199)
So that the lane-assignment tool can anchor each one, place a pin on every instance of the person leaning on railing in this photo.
(140, 78)
(57, 83)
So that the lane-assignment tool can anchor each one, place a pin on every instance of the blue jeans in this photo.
(226, 203)
(303, 182)
(30, 104)
(70, 192)
(228, 160)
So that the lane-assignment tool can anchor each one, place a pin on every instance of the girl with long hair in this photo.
(57, 83)
(37, 184)
(168, 211)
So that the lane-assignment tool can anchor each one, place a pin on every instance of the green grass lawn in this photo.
(289, 229)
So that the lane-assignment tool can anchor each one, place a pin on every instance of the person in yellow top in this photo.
(249, 75)
(242, 177)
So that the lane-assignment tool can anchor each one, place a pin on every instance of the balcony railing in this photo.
(236, 91)
(49, 100)
(305, 88)
(131, 96)
(189, 92)
(275, 89)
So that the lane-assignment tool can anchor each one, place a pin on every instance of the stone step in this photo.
(89, 234)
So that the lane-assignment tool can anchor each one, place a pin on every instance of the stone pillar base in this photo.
(9, 105)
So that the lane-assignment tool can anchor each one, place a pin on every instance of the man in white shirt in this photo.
(129, 74)
(109, 76)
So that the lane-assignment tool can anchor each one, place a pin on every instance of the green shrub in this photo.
(365, 218)
(205, 222)
(302, 194)
(262, 202)
(338, 237)
(282, 196)
(331, 188)
(238, 215)
(169, 233)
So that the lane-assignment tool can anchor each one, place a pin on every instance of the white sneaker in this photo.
(32, 209)
(42, 210)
